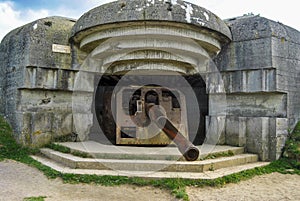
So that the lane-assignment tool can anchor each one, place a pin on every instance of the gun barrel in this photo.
(188, 150)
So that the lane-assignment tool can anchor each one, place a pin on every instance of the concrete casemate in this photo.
(58, 76)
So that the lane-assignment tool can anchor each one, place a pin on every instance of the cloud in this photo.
(13, 16)
(10, 17)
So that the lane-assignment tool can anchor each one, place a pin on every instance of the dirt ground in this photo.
(272, 187)
(18, 181)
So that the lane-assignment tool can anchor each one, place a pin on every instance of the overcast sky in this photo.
(15, 13)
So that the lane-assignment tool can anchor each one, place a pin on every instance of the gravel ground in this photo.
(18, 181)
(271, 187)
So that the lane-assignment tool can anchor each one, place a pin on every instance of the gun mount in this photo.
(153, 115)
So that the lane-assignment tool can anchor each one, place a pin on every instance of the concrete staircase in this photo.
(148, 162)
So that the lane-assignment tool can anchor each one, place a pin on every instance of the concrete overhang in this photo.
(175, 13)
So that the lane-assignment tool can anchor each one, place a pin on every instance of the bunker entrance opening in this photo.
(122, 116)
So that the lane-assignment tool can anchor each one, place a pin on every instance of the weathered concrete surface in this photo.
(147, 162)
(165, 10)
(257, 105)
(263, 57)
(98, 150)
(261, 76)
(176, 38)
(34, 74)
(137, 166)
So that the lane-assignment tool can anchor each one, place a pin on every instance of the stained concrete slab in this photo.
(171, 152)
(133, 165)
(151, 175)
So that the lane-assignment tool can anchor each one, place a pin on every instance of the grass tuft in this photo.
(218, 155)
(67, 150)
(40, 198)
(59, 148)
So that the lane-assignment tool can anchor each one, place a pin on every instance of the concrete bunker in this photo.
(59, 78)
(173, 52)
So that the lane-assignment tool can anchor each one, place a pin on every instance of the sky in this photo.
(15, 13)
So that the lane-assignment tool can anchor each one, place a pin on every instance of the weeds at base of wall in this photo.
(9, 149)
(292, 147)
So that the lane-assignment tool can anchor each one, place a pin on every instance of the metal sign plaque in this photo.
(61, 48)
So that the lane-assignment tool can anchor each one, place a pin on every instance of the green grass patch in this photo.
(9, 149)
(59, 148)
(218, 155)
(67, 150)
(292, 148)
(40, 198)
(81, 154)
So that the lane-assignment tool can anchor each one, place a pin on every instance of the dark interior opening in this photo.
(104, 110)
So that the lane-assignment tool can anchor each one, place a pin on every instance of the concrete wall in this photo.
(261, 74)
(36, 80)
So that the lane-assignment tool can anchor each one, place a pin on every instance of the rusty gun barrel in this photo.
(188, 150)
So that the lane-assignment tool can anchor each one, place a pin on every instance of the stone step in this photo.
(148, 165)
(152, 175)
(101, 151)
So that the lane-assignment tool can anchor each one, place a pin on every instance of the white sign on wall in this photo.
(61, 48)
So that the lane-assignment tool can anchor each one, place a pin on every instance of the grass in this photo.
(59, 148)
(9, 149)
(292, 148)
(67, 150)
(40, 198)
(218, 155)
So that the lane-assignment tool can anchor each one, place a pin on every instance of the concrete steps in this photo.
(148, 165)
(150, 175)
(148, 162)
(170, 153)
